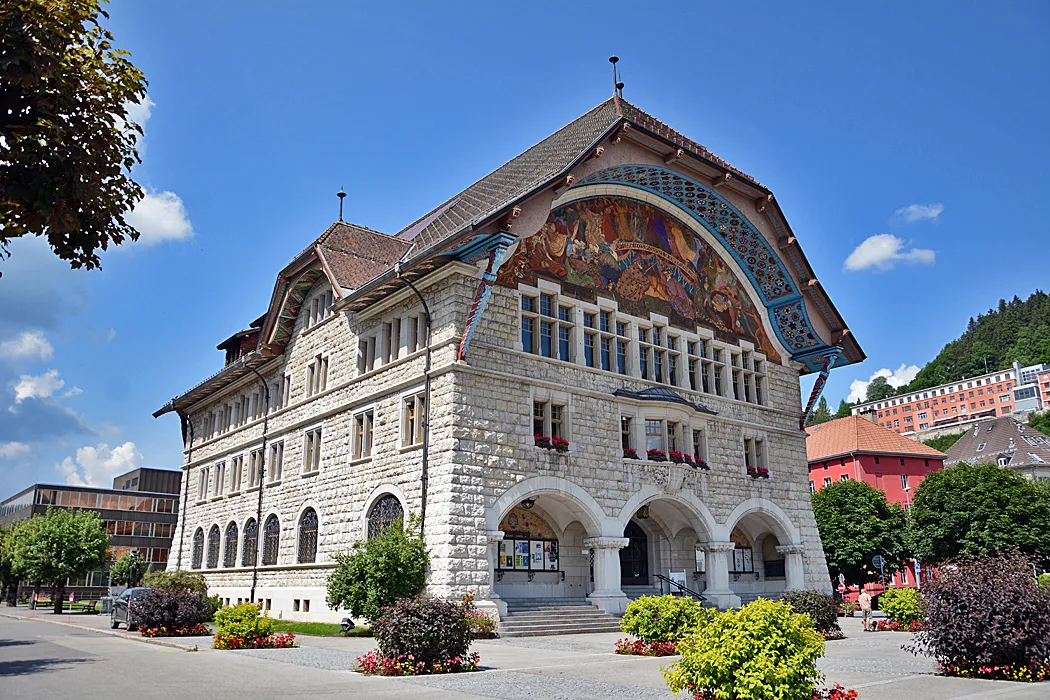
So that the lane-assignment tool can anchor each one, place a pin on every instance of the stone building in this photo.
(581, 373)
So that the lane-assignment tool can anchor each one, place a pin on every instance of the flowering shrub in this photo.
(560, 444)
(835, 692)
(676, 457)
(897, 626)
(171, 609)
(480, 622)
(847, 608)
(656, 455)
(423, 630)
(666, 618)
(373, 663)
(763, 472)
(641, 648)
(273, 641)
(630, 453)
(985, 613)
(542, 441)
(197, 630)
(1031, 673)
(832, 634)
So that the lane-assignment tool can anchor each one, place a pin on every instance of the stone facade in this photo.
(483, 460)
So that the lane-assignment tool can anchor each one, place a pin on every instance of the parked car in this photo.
(124, 608)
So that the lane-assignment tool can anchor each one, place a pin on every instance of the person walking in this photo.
(864, 600)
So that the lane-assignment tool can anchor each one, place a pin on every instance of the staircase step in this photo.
(557, 630)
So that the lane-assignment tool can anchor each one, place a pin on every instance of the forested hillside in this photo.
(1016, 330)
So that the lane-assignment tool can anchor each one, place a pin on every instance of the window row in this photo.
(105, 501)
(661, 436)
(395, 337)
(132, 528)
(220, 479)
(566, 329)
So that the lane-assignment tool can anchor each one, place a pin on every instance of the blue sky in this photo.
(262, 111)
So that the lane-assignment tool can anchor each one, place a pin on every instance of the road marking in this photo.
(892, 680)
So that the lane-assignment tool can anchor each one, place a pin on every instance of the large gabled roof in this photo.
(356, 254)
(854, 434)
(1005, 436)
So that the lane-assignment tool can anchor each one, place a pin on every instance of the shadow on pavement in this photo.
(15, 642)
(28, 666)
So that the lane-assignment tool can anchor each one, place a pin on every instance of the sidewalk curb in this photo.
(111, 633)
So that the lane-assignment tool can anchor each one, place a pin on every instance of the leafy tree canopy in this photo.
(8, 575)
(1040, 421)
(845, 409)
(67, 144)
(379, 570)
(127, 571)
(979, 510)
(943, 442)
(63, 544)
(878, 389)
(820, 414)
(856, 522)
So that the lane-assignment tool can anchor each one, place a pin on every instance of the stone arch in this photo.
(772, 515)
(701, 514)
(377, 493)
(586, 510)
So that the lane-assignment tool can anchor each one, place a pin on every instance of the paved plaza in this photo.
(40, 658)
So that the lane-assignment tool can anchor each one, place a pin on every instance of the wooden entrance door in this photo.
(634, 558)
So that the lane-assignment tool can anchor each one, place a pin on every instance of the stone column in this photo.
(607, 595)
(488, 598)
(718, 591)
(794, 571)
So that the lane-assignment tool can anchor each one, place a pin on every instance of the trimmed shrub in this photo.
(1044, 582)
(903, 605)
(986, 613)
(426, 630)
(820, 607)
(176, 581)
(243, 621)
(764, 650)
(171, 610)
(214, 603)
(664, 618)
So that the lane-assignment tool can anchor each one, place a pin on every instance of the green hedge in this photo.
(663, 618)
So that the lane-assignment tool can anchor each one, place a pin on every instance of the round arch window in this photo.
(271, 540)
(384, 513)
(251, 543)
(308, 537)
(198, 548)
(213, 546)
(229, 556)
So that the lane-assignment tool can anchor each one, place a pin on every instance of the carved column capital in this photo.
(494, 536)
(791, 548)
(710, 547)
(606, 542)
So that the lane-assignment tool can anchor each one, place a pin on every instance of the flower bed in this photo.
(835, 692)
(894, 626)
(1032, 673)
(641, 648)
(197, 630)
(280, 640)
(373, 663)
(832, 634)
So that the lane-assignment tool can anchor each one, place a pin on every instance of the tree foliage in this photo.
(62, 544)
(127, 570)
(943, 442)
(1015, 330)
(820, 414)
(378, 571)
(67, 144)
(8, 576)
(977, 510)
(856, 522)
(878, 389)
(845, 409)
(176, 581)
(820, 607)
(1040, 422)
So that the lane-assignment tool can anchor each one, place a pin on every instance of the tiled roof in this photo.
(554, 154)
(986, 441)
(356, 254)
(856, 434)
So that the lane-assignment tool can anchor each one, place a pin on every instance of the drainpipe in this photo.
(424, 476)
(259, 536)
(186, 424)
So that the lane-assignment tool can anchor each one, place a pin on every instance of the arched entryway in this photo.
(634, 558)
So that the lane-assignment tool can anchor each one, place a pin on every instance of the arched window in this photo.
(229, 556)
(213, 546)
(385, 512)
(198, 548)
(271, 540)
(251, 543)
(308, 537)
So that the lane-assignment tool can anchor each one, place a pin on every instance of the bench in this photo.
(89, 606)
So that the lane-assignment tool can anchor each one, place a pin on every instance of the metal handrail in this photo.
(690, 591)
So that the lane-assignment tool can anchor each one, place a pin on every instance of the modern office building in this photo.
(139, 513)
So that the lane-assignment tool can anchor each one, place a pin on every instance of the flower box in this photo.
(752, 472)
(676, 457)
(701, 464)
(656, 455)
(630, 453)
(763, 472)
(560, 444)
(542, 441)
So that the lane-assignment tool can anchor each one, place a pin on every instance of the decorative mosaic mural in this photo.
(645, 258)
(520, 522)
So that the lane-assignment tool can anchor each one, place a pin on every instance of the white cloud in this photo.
(858, 388)
(141, 111)
(41, 386)
(10, 450)
(72, 391)
(883, 251)
(96, 466)
(160, 217)
(27, 344)
(920, 212)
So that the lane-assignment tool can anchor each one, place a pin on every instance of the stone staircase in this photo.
(536, 617)
(634, 592)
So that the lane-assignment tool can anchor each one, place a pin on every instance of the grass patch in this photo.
(319, 629)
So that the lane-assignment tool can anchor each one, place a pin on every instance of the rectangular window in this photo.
(564, 344)
(654, 435)
(606, 345)
(546, 346)
(255, 463)
(413, 416)
(236, 469)
(202, 484)
(625, 432)
(556, 421)
(539, 418)
(275, 467)
(812, 488)
(827, 481)
(698, 443)
(312, 451)
(362, 435)
(904, 481)
(588, 349)
(220, 478)
(844, 477)
(621, 356)
(528, 332)
(672, 436)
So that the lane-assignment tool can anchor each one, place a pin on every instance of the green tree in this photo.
(63, 544)
(879, 389)
(379, 570)
(856, 522)
(943, 442)
(978, 510)
(820, 414)
(845, 409)
(8, 575)
(1040, 421)
(67, 144)
(127, 570)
